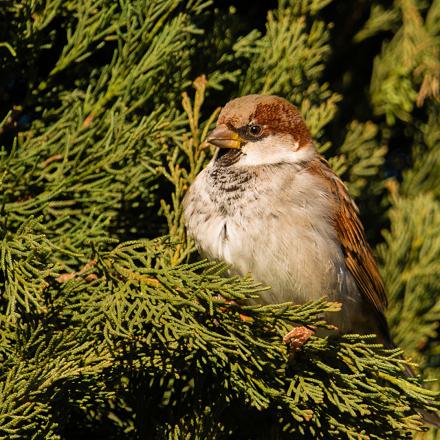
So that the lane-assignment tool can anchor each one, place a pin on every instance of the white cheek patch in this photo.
(275, 149)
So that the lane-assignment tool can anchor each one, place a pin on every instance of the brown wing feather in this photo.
(358, 255)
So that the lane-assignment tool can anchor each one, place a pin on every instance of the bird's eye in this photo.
(255, 130)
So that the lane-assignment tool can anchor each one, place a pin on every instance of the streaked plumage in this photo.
(273, 208)
(269, 205)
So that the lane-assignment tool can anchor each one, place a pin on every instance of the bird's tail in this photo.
(429, 417)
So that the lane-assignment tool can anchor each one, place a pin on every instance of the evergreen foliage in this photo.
(110, 326)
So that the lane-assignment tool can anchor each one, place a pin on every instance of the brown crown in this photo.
(278, 116)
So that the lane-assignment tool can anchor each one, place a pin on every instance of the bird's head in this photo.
(261, 130)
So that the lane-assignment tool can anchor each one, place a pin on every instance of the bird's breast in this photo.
(276, 226)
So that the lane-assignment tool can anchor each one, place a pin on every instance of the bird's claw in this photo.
(297, 337)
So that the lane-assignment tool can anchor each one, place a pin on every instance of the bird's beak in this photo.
(223, 137)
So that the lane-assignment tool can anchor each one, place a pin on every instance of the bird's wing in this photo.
(359, 258)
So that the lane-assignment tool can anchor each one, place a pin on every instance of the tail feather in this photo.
(428, 417)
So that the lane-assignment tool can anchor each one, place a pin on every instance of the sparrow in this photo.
(269, 205)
